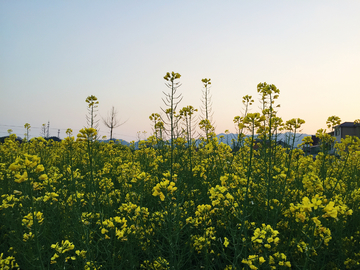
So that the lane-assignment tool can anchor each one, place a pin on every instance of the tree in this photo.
(112, 122)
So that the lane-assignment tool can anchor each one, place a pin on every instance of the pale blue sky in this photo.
(53, 54)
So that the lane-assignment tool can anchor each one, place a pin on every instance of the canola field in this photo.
(174, 202)
(84, 204)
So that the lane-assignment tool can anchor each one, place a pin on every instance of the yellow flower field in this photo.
(85, 204)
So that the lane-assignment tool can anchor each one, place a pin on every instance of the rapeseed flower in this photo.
(226, 242)
(330, 210)
(21, 178)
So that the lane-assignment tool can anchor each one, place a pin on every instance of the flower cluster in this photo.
(60, 249)
(153, 205)
(164, 186)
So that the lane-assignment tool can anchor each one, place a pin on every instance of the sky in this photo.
(54, 54)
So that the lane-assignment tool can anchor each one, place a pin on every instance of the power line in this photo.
(30, 127)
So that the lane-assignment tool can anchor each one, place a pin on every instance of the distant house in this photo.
(343, 130)
(346, 128)
(339, 132)
(314, 149)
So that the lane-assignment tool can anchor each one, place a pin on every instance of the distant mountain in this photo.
(116, 141)
(284, 137)
(227, 139)
(298, 138)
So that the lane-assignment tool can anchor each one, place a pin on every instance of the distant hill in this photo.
(116, 141)
(227, 139)
(284, 137)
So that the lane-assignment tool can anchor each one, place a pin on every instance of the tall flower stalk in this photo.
(171, 100)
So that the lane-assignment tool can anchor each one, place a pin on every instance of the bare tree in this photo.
(112, 122)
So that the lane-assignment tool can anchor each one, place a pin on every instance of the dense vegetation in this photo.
(82, 204)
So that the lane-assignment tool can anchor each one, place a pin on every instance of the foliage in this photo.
(85, 204)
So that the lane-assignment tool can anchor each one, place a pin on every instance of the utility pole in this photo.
(59, 133)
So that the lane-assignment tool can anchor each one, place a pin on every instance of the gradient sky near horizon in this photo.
(53, 54)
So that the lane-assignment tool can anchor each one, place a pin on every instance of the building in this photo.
(346, 128)
(339, 132)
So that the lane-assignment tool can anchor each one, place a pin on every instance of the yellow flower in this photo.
(53, 258)
(28, 236)
(43, 177)
(39, 216)
(65, 246)
(81, 253)
(330, 210)
(14, 166)
(271, 260)
(306, 204)
(316, 221)
(39, 168)
(21, 178)
(316, 201)
(87, 134)
(226, 242)
(17, 192)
